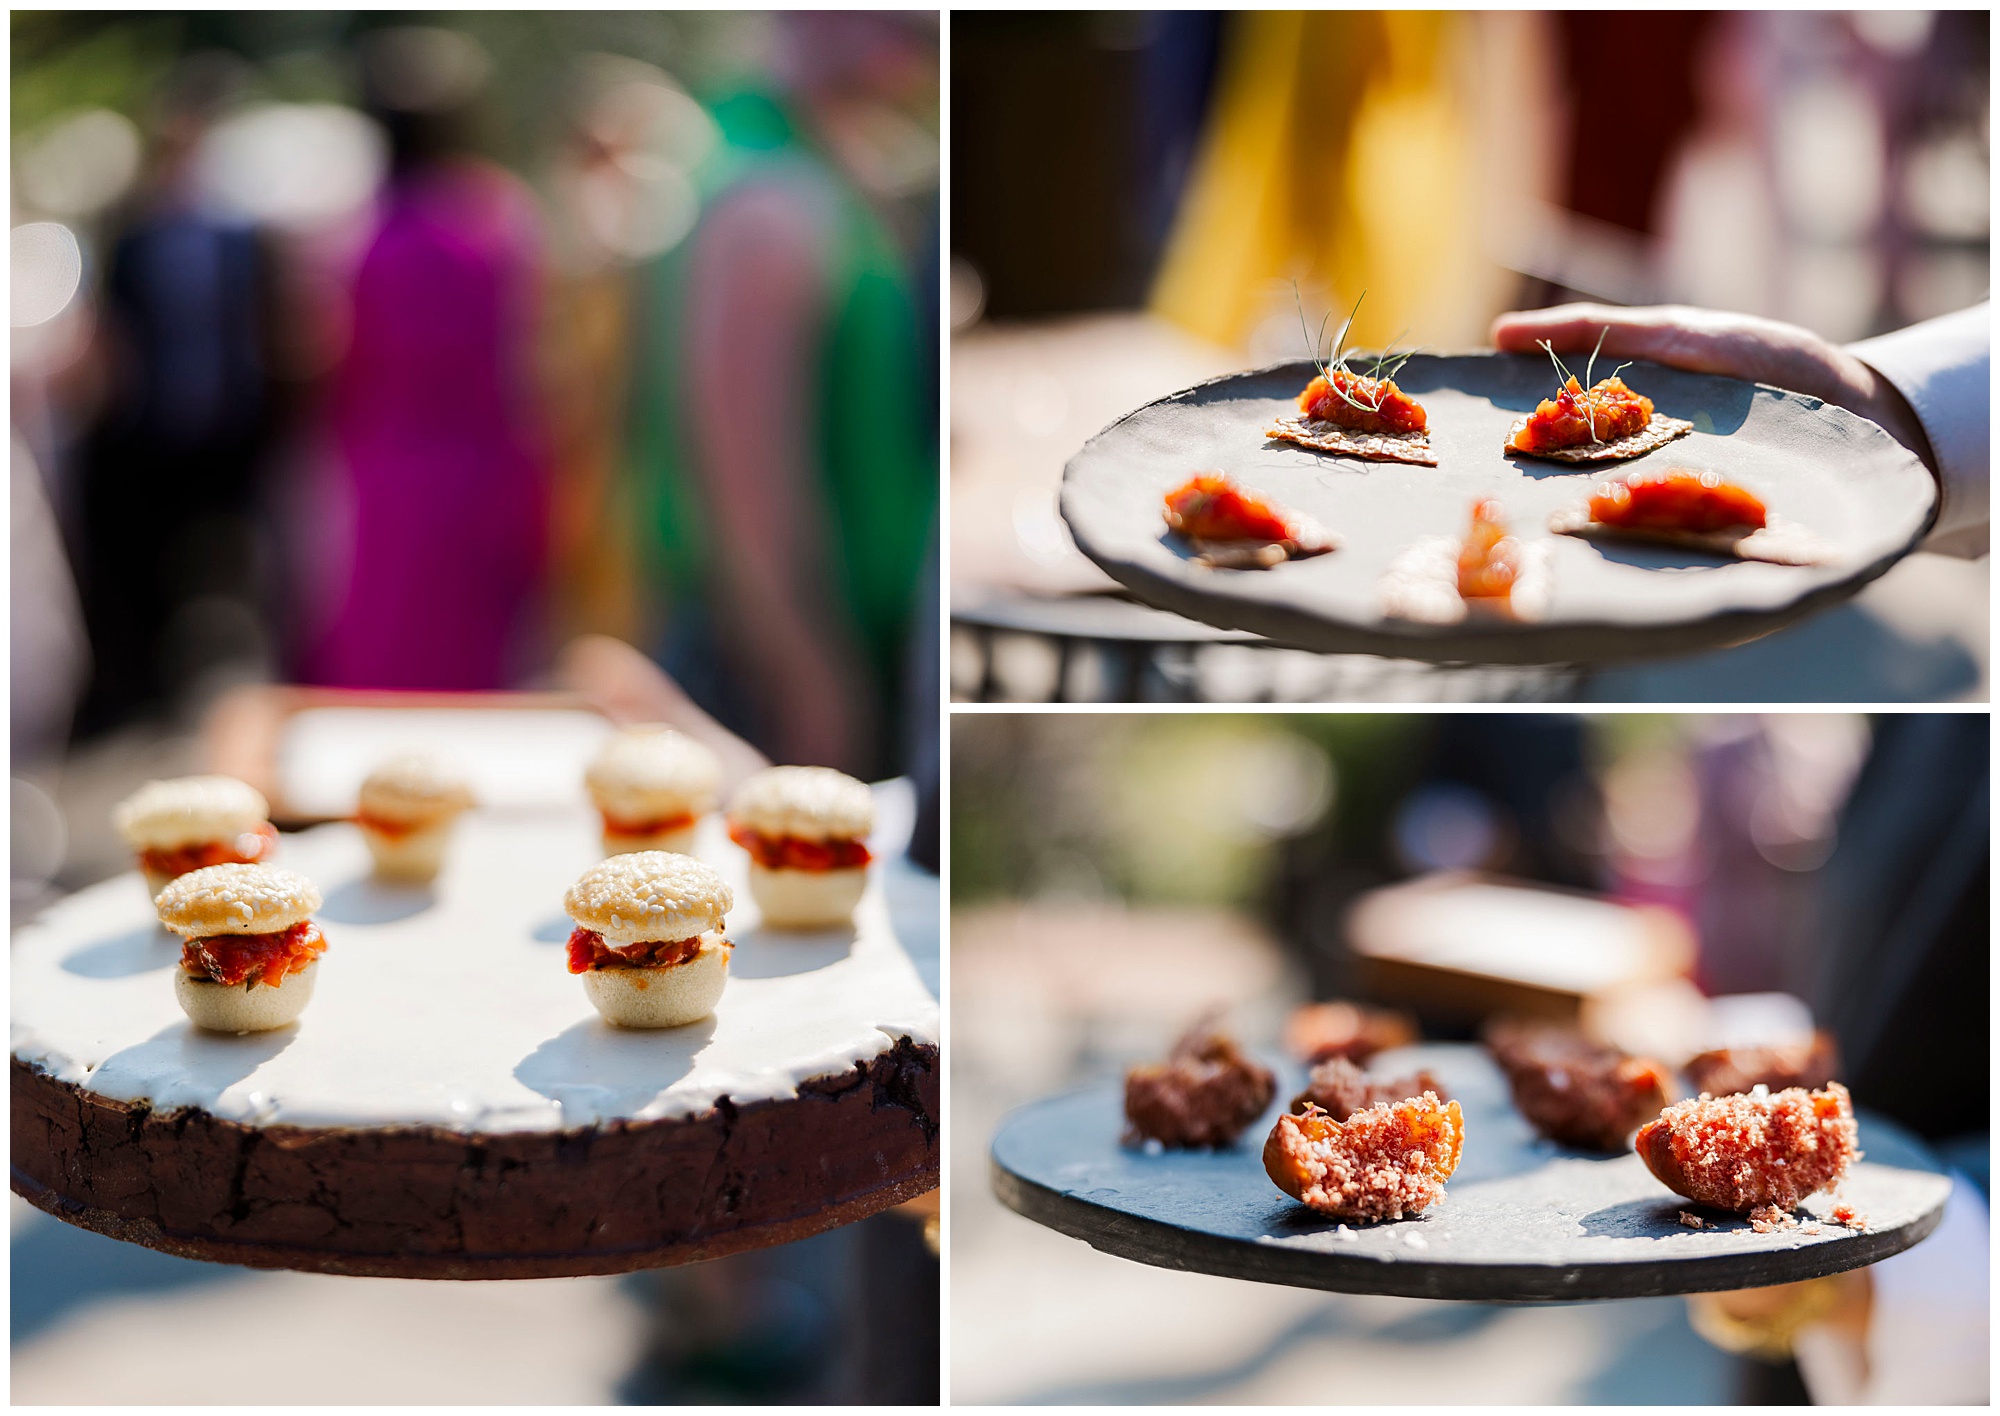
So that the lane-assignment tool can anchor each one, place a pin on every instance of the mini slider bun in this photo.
(645, 773)
(181, 812)
(186, 811)
(806, 899)
(407, 806)
(239, 899)
(661, 998)
(645, 897)
(810, 804)
(236, 899)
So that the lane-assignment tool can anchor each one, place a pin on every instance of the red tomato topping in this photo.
(1385, 408)
(797, 853)
(614, 827)
(268, 958)
(1211, 506)
(1679, 499)
(1489, 558)
(246, 849)
(587, 951)
(1606, 413)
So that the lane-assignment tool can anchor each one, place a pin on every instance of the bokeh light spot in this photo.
(80, 164)
(47, 271)
(303, 166)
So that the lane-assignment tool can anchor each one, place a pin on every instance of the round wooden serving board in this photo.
(1838, 475)
(449, 1105)
(1522, 1220)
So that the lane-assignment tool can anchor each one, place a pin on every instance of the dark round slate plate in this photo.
(1522, 1220)
(1840, 476)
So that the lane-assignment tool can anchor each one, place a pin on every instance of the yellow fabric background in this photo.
(1337, 156)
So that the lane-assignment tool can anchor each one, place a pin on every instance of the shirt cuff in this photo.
(1941, 366)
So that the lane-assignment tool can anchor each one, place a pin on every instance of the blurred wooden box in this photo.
(1460, 947)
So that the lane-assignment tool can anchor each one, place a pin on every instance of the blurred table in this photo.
(1464, 946)
(307, 749)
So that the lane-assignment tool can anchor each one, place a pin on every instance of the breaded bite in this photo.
(1384, 1162)
(1753, 1149)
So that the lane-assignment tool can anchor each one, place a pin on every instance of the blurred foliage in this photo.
(68, 59)
(1173, 808)
(1170, 808)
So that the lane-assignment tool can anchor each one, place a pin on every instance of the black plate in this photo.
(1522, 1220)
(1840, 476)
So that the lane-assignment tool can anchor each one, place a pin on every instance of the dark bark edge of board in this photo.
(425, 1202)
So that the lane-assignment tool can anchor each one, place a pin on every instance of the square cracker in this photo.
(1656, 434)
(1778, 542)
(1323, 436)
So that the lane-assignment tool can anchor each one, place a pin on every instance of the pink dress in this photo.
(436, 423)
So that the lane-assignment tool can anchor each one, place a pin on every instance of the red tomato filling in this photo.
(1488, 558)
(797, 853)
(1210, 506)
(267, 958)
(587, 951)
(245, 849)
(614, 827)
(1606, 413)
(1679, 499)
(1384, 407)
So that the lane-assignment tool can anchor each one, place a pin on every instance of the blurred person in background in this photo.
(1902, 976)
(434, 411)
(1317, 118)
(622, 196)
(1903, 962)
(164, 545)
(1823, 168)
(782, 451)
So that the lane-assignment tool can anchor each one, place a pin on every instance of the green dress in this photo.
(876, 441)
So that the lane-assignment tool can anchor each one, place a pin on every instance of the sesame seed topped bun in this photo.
(648, 896)
(415, 790)
(648, 771)
(240, 1008)
(812, 803)
(187, 811)
(236, 899)
(661, 998)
